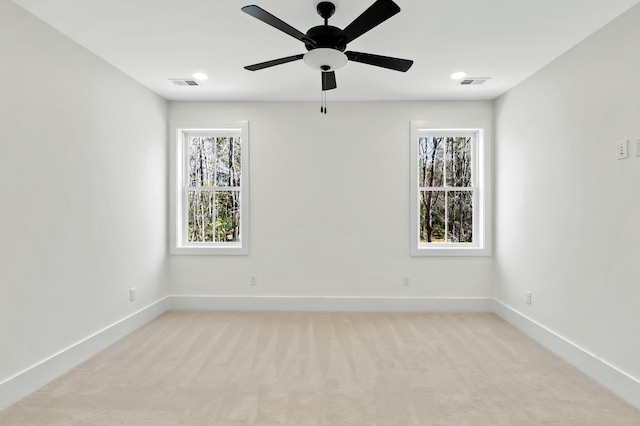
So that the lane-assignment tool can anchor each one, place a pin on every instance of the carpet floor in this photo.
(315, 368)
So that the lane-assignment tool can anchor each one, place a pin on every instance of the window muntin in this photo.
(210, 175)
(450, 181)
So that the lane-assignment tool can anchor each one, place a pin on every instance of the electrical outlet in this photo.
(528, 297)
(637, 147)
(253, 280)
(406, 280)
(132, 294)
(622, 150)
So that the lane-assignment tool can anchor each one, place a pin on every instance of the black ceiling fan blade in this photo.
(328, 80)
(261, 14)
(376, 14)
(274, 62)
(380, 61)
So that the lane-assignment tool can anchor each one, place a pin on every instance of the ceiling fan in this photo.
(326, 44)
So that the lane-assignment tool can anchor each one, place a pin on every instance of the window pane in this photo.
(227, 165)
(432, 216)
(214, 161)
(214, 216)
(460, 216)
(228, 216)
(201, 214)
(430, 161)
(458, 161)
(201, 161)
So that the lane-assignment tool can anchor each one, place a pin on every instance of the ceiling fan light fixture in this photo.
(321, 58)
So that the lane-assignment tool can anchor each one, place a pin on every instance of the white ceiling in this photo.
(155, 40)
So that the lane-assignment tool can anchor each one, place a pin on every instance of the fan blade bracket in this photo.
(309, 43)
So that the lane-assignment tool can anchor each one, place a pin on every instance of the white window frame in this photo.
(178, 192)
(481, 182)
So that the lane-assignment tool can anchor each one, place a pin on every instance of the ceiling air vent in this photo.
(184, 82)
(474, 81)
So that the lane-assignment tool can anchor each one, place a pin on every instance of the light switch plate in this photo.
(637, 147)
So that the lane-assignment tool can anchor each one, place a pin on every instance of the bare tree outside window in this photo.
(214, 188)
(446, 191)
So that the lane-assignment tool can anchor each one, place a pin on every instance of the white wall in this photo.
(83, 177)
(330, 204)
(83, 169)
(567, 212)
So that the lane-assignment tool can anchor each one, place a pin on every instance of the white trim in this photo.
(327, 303)
(482, 172)
(617, 381)
(177, 153)
(31, 379)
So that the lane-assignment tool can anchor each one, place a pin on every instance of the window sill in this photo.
(451, 250)
(208, 250)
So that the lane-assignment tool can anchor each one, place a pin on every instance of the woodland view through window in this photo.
(449, 174)
(213, 192)
(210, 198)
(446, 191)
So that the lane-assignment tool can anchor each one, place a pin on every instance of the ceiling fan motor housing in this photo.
(326, 36)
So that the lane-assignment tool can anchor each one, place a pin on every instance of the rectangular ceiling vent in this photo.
(184, 82)
(474, 81)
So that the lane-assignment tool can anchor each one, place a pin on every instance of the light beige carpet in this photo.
(302, 368)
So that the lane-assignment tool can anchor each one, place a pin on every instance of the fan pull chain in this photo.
(323, 101)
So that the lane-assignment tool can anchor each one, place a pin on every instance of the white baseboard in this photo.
(319, 303)
(617, 381)
(27, 381)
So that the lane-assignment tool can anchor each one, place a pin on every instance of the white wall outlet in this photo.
(622, 150)
(528, 297)
(132, 294)
(637, 147)
(406, 280)
(253, 280)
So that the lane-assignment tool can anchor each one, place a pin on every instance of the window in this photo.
(210, 189)
(450, 175)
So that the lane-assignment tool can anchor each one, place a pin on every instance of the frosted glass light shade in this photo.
(323, 57)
